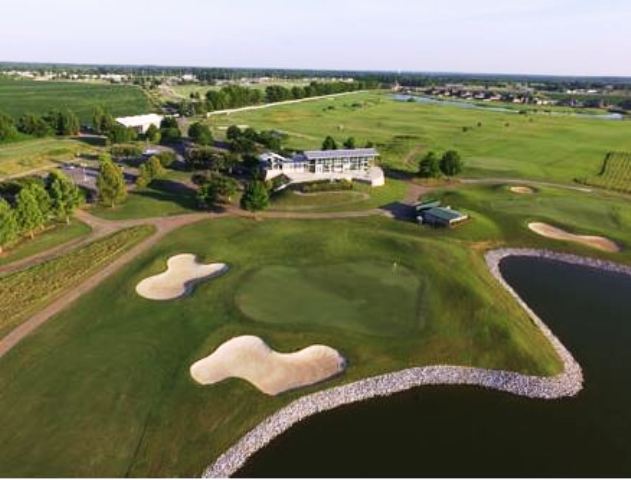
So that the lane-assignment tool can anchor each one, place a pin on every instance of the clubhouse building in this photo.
(312, 165)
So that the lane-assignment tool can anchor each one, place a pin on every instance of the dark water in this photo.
(465, 431)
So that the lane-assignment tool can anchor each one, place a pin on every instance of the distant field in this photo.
(497, 144)
(18, 97)
(24, 156)
(615, 173)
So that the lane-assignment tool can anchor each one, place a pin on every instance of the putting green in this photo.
(367, 297)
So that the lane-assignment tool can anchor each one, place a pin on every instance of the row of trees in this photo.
(55, 122)
(236, 96)
(36, 204)
(329, 143)
(449, 164)
(221, 188)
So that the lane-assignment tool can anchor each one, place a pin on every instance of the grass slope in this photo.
(537, 146)
(27, 291)
(18, 97)
(55, 235)
(34, 154)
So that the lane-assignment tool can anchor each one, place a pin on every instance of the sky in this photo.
(558, 37)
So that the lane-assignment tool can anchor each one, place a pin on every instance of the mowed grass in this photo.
(555, 148)
(160, 198)
(615, 173)
(18, 97)
(362, 197)
(35, 154)
(27, 291)
(54, 235)
(104, 389)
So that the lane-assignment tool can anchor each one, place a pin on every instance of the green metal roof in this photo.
(446, 214)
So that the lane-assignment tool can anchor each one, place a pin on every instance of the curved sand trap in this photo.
(182, 272)
(601, 243)
(521, 189)
(248, 357)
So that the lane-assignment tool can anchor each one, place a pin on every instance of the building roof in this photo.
(446, 214)
(140, 120)
(341, 153)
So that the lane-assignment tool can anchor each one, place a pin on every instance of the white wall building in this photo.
(141, 123)
(350, 164)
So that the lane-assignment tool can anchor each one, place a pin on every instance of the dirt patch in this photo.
(250, 358)
(594, 241)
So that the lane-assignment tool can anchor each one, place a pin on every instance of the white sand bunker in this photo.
(601, 243)
(248, 357)
(182, 272)
(521, 189)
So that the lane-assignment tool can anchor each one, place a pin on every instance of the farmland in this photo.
(18, 97)
(493, 144)
(615, 173)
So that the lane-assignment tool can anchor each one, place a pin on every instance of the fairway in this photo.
(493, 144)
(365, 296)
(115, 366)
(18, 97)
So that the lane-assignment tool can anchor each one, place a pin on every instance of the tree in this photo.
(144, 177)
(64, 195)
(28, 215)
(102, 121)
(155, 168)
(166, 157)
(451, 163)
(216, 189)
(233, 132)
(329, 143)
(110, 183)
(255, 197)
(41, 197)
(200, 134)
(152, 134)
(429, 166)
(34, 125)
(349, 143)
(8, 224)
(121, 134)
(7, 128)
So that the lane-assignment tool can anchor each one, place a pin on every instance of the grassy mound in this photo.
(364, 296)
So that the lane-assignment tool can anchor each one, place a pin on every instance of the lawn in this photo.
(54, 235)
(18, 97)
(27, 291)
(103, 389)
(22, 157)
(362, 197)
(162, 197)
(556, 148)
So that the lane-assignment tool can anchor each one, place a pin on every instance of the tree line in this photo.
(237, 96)
(55, 122)
(28, 205)
(449, 164)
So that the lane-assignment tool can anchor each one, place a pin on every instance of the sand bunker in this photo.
(521, 189)
(601, 243)
(248, 357)
(182, 272)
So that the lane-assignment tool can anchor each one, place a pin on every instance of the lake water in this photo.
(466, 431)
(490, 108)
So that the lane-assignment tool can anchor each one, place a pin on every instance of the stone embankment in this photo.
(566, 384)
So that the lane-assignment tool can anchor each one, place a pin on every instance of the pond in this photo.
(467, 431)
(474, 106)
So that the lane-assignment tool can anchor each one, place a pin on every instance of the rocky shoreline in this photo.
(568, 383)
